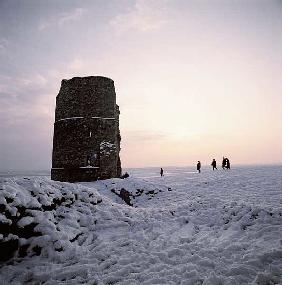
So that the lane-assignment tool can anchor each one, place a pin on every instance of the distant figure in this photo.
(125, 175)
(227, 163)
(213, 164)
(199, 166)
(162, 172)
(223, 163)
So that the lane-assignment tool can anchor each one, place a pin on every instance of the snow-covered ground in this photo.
(212, 228)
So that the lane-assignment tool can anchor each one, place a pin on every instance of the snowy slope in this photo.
(213, 228)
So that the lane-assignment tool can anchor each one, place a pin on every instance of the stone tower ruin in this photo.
(86, 140)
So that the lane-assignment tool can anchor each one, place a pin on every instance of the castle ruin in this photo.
(86, 140)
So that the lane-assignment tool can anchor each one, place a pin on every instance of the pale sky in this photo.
(195, 80)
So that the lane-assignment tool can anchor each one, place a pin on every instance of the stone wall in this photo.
(86, 97)
(86, 130)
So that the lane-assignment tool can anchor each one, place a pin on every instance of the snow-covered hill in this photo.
(212, 228)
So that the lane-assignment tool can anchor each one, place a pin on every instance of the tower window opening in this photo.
(88, 161)
(90, 134)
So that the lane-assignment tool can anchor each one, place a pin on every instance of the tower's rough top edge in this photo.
(90, 78)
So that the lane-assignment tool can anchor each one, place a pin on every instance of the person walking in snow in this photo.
(213, 164)
(227, 163)
(223, 163)
(199, 166)
(162, 172)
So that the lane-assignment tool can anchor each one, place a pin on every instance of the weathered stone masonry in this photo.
(86, 141)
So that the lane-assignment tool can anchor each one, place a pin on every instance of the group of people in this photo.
(225, 164)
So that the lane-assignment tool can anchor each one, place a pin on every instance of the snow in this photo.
(106, 148)
(213, 228)
(110, 118)
(25, 221)
(71, 118)
(89, 166)
(74, 118)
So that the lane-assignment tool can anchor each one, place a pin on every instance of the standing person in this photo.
(227, 163)
(213, 164)
(223, 163)
(199, 166)
(162, 172)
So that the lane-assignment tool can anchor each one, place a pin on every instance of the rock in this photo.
(125, 196)
(8, 249)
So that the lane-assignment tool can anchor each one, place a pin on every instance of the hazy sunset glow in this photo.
(195, 80)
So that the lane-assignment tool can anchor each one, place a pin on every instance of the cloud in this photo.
(27, 114)
(24, 97)
(76, 65)
(3, 45)
(143, 16)
(71, 16)
(15, 86)
(62, 19)
(144, 136)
